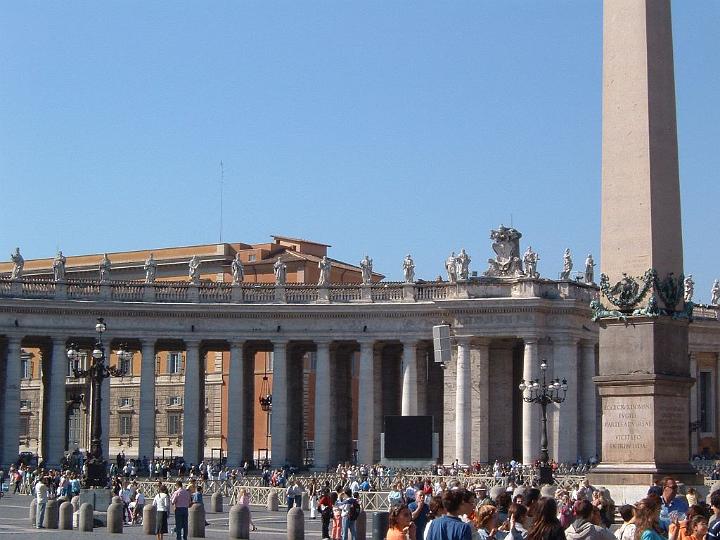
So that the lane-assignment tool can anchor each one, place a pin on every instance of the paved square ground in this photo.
(14, 520)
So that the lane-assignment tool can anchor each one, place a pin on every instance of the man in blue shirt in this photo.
(671, 502)
(714, 531)
(418, 512)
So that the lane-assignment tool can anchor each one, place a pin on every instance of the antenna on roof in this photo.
(222, 181)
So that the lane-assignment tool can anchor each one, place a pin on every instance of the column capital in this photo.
(409, 343)
(530, 338)
(482, 341)
(565, 339)
(237, 343)
(588, 343)
(462, 340)
(192, 343)
(148, 342)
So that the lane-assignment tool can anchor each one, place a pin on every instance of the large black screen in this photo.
(408, 437)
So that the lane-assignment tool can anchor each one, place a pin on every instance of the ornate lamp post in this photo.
(544, 393)
(265, 400)
(97, 372)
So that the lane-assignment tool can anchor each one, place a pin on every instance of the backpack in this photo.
(354, 510)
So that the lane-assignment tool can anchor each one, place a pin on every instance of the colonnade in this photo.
(474, 400)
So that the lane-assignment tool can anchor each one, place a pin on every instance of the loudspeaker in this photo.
(441, 343)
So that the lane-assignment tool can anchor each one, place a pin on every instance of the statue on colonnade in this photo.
(567, 265)
(366, 266)
(409, 269)
(59, 266)
(451, 267)
(18, 264)
(531, 258)
(462, 263)
(325, 266)
(506, 245)
(238, 272)
(280, 269)
(105, 266)
(150, 269)
(194, 270)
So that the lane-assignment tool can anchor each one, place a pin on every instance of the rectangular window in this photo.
(24, 426)
(25, 368)
(25, 404)
(125, 402)
(173, 425)
(174, 365)
(252, 258)
(125, 421)
(125, 366)
(174, 401)
(705, 401)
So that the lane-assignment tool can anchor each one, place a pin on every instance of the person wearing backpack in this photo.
(350, 511)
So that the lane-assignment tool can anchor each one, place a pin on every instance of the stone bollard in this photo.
(66, 516)
(380, 525)
(216, 503)
(33, 512)
(361, 526)
(305, 502)
(239, 526)
(196, 521)
(149, 519)
(115, 516)
(52, 514)
(85, 520)
(295, 524)
(272, 502)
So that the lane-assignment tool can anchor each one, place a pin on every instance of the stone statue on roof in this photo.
(238, 272)
(567, 265)
(409, 269)
(280, 269)
(104, 268)
(325, 266)
(689, 288)
(589, 269)
(58, 266)
(715, 293)
(150, 269)
(531, 258)
(194, 270)
(18, 264)
(462, 264)
(451, 267)
(366, 266)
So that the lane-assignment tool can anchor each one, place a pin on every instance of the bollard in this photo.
(85, 520)
(52, 511)
(361, 526)
(295, 524)
(196, 521)
(272, 502)
(149, 519)
(305, 505)
(380, 525)
(239, 526)
(115, 516)
(65, 522)
(33, 512)
(216, 503)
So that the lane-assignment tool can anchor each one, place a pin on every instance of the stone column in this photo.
(279, 420)
(55, 416)
(409, 379)
(323, 406)
(147, 401)
(480, 376)
(530, 411)
(236, 406)
(565, 366)
(192, 402)
(463, 401)
(587, 403)
(366, 404)
(11, 402)
(694, 409)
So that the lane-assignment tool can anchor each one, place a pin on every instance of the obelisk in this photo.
(644, 375)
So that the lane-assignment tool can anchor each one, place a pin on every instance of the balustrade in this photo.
(32, 288)
(347, 293)
(127, 291)
(301, 294)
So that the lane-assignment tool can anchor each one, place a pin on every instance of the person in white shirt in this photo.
(162, 503)
(41, 496)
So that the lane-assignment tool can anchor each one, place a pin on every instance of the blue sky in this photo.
(380, 127)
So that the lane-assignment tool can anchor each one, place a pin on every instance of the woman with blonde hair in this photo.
(244, 500)
(486, 523)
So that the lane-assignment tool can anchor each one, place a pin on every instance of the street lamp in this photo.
(97, 372)
(265, 400)
(544, 393)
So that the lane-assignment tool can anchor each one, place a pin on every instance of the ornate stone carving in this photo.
(238, 272)
(59, 266)
(589, 269)
(325, 266)
(462, 265)
(280, 269)
(531, 258)
(194, 270)
(366, 266)
(150, 269)
(651, 310)
(506, 244)
(104, 268)
(567, 265)
(627, 292)
(409, 269)
(18, 264)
